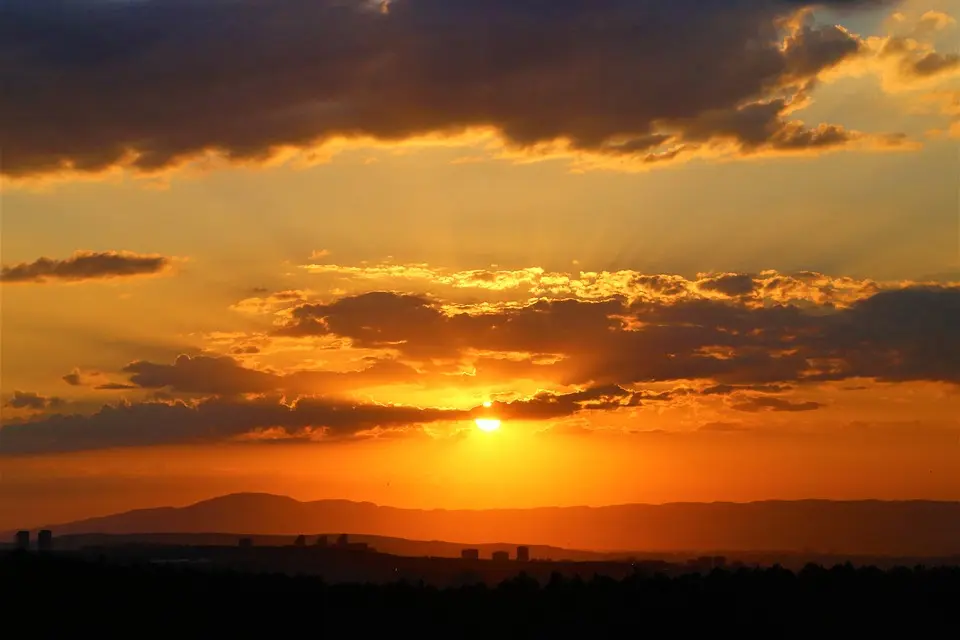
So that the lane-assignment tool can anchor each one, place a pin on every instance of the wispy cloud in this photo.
(86, 265)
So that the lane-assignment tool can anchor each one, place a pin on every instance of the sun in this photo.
(487, 424)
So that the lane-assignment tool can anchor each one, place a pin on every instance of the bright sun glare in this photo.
(488, 424)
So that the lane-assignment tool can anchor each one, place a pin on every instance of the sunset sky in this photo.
(687, 250)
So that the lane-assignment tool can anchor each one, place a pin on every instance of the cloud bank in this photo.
(911, 333)
(759, 343)
(93, 85)
(32, 401)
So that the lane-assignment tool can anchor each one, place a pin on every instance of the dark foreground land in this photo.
(51, 596)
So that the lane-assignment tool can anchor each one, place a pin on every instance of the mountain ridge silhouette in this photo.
(896, 527)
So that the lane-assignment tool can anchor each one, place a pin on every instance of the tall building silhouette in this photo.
(22, 540)
(470, 554)
(45, 540)
(523, 554)
(343, 540)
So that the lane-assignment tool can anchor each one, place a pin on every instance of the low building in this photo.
(323, 541)
(500, 556)
(245, 543)
(22, 540)
(45, 540)
(301, 541)
(470, 554)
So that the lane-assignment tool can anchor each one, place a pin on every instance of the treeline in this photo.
(49, 596)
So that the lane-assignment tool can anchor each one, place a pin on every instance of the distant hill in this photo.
(904, 528)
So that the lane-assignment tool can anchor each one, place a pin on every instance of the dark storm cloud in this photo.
(90, 82)
(896, 335)
(418, 327)
(210, 420)
(201, 374)
(33, 401)
(912, 334)
(225, 376)
(85, 265)
(730, 284)
(219, 419)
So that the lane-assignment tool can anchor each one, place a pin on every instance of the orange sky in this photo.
(677, 267)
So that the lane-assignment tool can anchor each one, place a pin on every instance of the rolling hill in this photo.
(896, 528)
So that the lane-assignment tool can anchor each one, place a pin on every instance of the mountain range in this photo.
(883, 528)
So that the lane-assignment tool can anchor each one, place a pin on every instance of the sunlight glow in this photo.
(487, 424)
